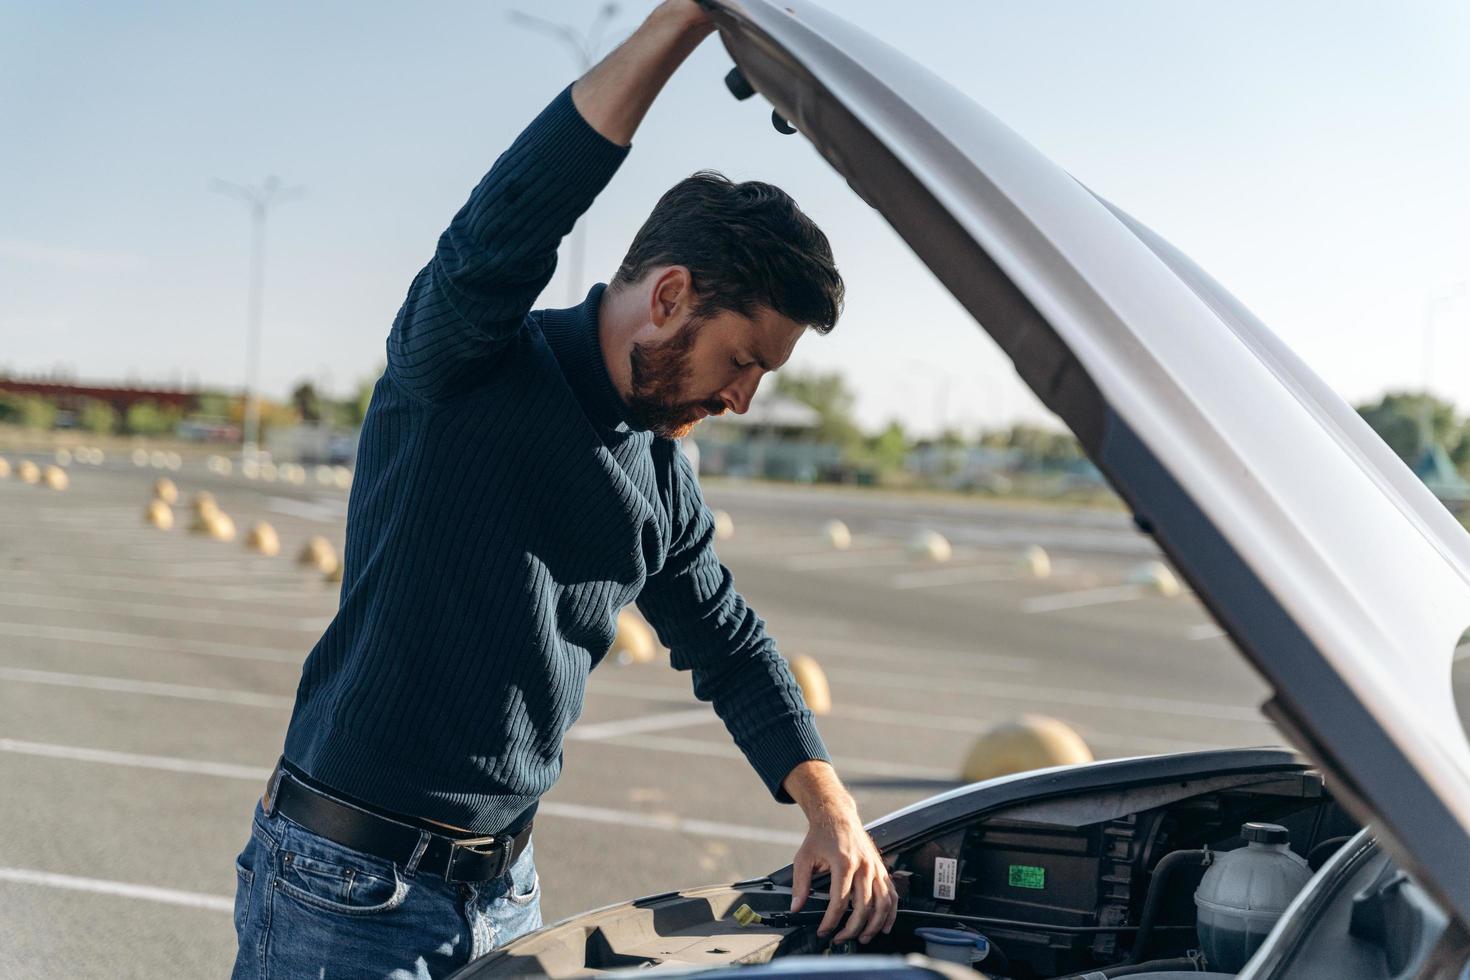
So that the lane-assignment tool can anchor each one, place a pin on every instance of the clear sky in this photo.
(1313, 155)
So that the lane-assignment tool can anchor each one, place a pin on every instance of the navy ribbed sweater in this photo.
(502, 512)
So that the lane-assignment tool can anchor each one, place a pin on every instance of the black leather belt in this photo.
(466, 859)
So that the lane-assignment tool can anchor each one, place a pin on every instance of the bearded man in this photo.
(518, 482)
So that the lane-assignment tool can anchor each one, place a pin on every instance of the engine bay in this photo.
(1095, 884)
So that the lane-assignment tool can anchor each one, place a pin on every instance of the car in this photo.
(1330, 567)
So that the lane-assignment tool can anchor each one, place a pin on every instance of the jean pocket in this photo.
(524, 894)
(327, 876)
(244, 878)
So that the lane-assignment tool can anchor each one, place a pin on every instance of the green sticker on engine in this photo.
(1027, 876)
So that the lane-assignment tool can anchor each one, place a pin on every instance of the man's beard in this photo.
(659, 371)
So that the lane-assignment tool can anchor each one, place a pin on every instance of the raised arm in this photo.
(499, 252)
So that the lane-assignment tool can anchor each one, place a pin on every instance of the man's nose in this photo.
(737, 397)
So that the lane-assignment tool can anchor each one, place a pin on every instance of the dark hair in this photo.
(745, 245)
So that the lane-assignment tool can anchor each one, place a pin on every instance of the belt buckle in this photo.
(479, 846)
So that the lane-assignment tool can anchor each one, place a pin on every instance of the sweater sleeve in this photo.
(709, 630)
(499, 252)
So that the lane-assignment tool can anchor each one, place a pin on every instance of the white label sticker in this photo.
(946, 870)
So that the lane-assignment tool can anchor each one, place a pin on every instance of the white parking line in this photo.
(1039, 695)
(173, 614)
(935, 577)
(640, 724)
(158, 588)
(871, 558)
(122, 685)
(551, 808)
(120, 889)
(1204, 631)
(890, 653)
(1083, 597)
(849, 765)
(155, 644)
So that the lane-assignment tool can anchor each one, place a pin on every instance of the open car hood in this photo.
(1331, 567)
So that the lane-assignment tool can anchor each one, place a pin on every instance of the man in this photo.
(517, 484)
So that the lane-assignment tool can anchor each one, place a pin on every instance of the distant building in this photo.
(69, 396)
(1437, 471)
(776, 439)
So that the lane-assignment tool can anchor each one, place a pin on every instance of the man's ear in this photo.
(671, 293)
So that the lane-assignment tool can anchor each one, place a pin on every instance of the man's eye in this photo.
(738, 366)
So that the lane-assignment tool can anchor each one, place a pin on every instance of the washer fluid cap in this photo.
(1264, 833)
(953, 945)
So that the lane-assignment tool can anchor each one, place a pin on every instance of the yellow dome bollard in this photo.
(1034, 562)
(203, 502)
(263, 538)
(837, 535)
(634, 642)
(813, 683)
(1156, 577)
(165, 490)
(28, 472)
(1026, 743)
(158, 514)
(217, 525)
(335, 575)
(4, 468)
(724, 526)
(318, 553)
(55, 477)
(930, 546)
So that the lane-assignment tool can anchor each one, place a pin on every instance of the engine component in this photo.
(1244, 893)
(953, 945)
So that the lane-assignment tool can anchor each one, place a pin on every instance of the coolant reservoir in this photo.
(1243, 894)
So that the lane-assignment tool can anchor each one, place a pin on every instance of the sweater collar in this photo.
(572, 336)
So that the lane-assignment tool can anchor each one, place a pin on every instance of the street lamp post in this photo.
(584, 48)
(259, 200)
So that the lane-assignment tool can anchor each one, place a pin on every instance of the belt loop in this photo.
(273, 787)
(418, 853)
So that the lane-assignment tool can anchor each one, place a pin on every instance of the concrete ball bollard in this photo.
(1034, 562)
(173, 461)
(158, 514)
(165, 490)
(930, 546)
(4, 468)
(323, 475)
(724, 526)
(318, 553)
(55, 477)
(1156, 577)
(837, 535)
(63, 456)
(28, 472)
(158, 459)
(219, 526)
(268, 472)
(813, 683)
(140, 457)
(263, 539)
(342, 477)
(1025, 743)
(634, 641)
(250, 469)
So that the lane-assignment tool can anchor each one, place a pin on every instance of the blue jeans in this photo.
(308, 907)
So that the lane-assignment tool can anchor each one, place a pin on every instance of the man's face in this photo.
(706, 367)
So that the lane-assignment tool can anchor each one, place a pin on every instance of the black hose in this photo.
(1154, 900)
(1324, 849)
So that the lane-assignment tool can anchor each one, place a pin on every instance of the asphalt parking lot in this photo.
(146, 677)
